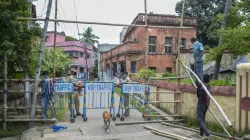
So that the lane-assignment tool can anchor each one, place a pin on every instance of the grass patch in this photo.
(13, 129)
(60, 114)
(212, 127)
(136, 104)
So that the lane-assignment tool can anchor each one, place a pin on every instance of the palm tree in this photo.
(89, 37)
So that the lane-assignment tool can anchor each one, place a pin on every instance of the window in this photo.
(183, 43)
(133, 66)
(152, 68)
(47, 38)
(169, 69)
(77, 54)
(71, 53)
(168, 44)
(81, 70)
(152, 44)
(81, 54)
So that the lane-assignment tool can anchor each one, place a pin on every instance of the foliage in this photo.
(206, 12)
(95, 68)
(63, 61)
(89, 37)
(70, 38)
(167, 74)
(212, 127)
(236, 35)
(16, 38)
(150, 73)
(13, 129)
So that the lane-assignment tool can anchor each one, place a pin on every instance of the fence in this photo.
(99, 95)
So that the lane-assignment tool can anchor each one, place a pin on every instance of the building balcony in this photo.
(124, 49)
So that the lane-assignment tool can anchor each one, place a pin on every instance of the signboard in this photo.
(133, 88)
(98, 87)
(64, 87)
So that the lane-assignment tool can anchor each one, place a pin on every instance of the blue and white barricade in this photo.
(99, 95)
(67, 88)
(136, 92)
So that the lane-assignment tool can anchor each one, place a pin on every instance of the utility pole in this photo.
(54, 48)
(38, 68)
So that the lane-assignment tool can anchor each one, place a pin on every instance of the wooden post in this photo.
(38, 68)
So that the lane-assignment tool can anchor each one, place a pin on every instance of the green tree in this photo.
(15, 38)
(206, 12)
(236, 35)
(63, 61)
(89, 37)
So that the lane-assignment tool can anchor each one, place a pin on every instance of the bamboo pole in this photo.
(101, 23)
(164, 115)
(30, 120)
(167, 133)
(38, 68)
(145, 122)
(166, 78)
(215, 102)
(18, 80)
(153, 102)
(54, 48)
(5, 90)
(167, 92)
(18, 91)
(190, 76)
(194, 130)
(146, 61)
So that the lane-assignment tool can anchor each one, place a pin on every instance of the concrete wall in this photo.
(225, 96)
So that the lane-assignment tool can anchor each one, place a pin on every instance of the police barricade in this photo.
(67, 88)
(99, 95)
(61, 97)
(135, 93)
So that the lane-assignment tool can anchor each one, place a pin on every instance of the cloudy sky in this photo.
(111, 11)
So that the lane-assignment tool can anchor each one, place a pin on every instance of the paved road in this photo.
(93, 129)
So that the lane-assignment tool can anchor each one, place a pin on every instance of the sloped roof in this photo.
(210, 70)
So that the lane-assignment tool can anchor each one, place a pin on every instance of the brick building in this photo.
(162, 43)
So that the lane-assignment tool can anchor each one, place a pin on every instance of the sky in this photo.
(107, 11)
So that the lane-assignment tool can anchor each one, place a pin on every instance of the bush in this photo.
(167, 74)
(150, 73)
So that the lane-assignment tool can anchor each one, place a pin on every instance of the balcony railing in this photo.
(127, 48)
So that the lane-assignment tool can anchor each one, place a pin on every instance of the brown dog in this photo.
(106, 119)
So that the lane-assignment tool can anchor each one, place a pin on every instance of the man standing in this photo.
(47, 89)
(198, 57)
(72, 78)
(126, 96)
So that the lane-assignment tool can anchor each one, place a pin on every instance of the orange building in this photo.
(162, 43)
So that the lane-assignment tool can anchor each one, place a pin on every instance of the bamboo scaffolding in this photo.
(18, 80)
(153, 102)
(102, 23)
(18, 91)
(167, 92)
(167, 78)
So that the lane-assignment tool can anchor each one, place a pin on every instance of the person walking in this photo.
(198, 57)
(202, 107)
(77, 86)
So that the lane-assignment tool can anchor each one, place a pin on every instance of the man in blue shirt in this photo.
(198, 57)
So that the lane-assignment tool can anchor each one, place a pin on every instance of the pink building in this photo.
(75, 49)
